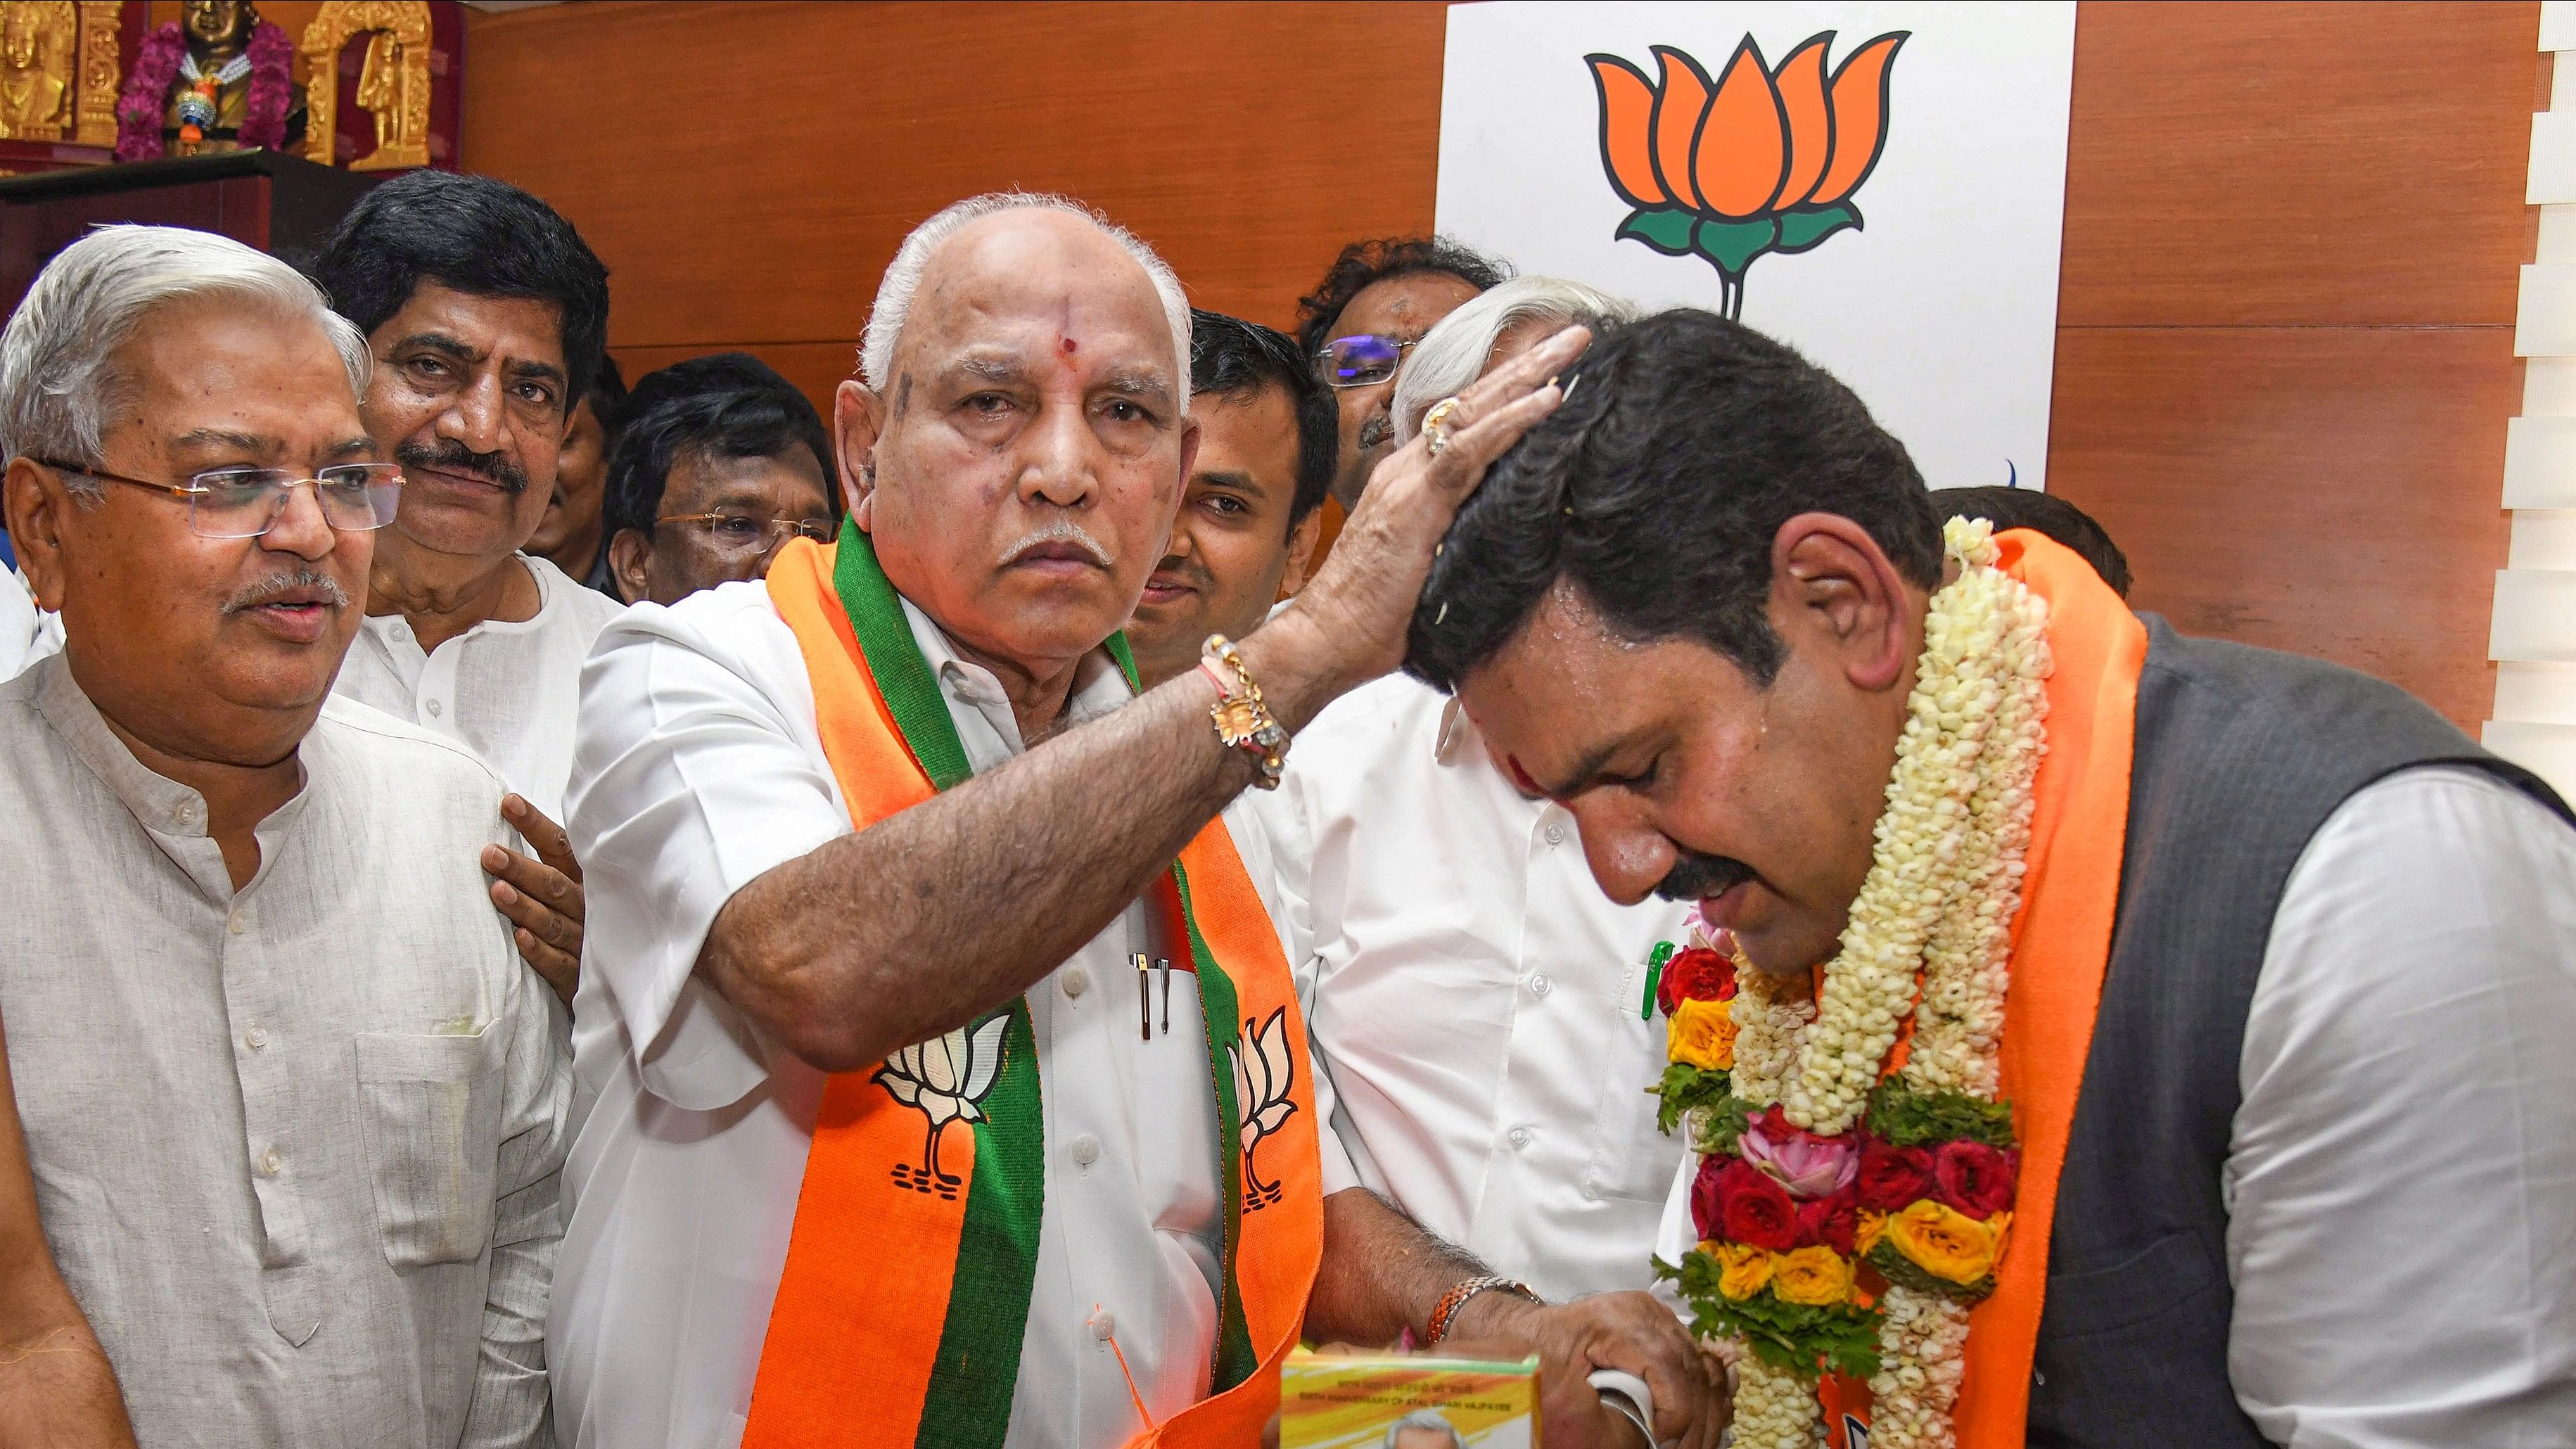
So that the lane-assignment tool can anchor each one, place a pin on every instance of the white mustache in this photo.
(1062, 530)
(277, 585)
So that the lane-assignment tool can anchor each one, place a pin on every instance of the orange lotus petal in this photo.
(1860, 118)
(1627, 114)
(1680, 103)
(1744, 145)
(1801, 83)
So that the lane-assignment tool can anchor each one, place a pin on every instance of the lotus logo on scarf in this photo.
(1263, 1076)
(945, 1079)
(1765, 160)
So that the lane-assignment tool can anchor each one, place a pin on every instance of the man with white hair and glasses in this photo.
(891, 1139)
(292, 1102)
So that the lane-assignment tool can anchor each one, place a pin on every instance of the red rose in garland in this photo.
(1698, 974)
(1974, 1178)
(1833, 1221)
(1754, 1210)
(1891, 1177)
(1707, 1203)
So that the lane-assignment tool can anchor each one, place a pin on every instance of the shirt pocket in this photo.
(1631, 1161)
(429, 1108)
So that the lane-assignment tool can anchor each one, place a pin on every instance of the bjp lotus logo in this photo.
(1765, 160)
(1265, 1070)
(945, 1079)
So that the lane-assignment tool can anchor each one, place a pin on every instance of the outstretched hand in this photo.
(1361, 601)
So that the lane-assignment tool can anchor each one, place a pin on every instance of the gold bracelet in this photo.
(1243, 722)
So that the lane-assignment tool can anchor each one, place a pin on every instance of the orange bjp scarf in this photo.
(906, 1291)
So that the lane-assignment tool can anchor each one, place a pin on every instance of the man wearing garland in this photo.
(2183, 1059)
(877, 1149)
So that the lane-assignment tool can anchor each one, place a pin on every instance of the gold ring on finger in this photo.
(1435, 423)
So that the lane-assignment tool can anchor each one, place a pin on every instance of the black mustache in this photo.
(452, 456)
(1697, 877)
(1379, 428)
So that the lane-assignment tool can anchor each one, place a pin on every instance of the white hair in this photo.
(1423, 1419)
(903, 278)
(59, 384)
(1457, 349)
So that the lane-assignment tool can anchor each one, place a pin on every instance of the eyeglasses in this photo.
(740, 533)
(247, 502)
(1362, 359)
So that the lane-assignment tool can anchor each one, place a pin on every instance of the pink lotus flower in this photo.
(1807, 1165)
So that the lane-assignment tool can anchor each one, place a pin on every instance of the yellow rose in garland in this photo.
(1814, 1275)
(1947, 1243)
(1701, 1034)
(1744, 1270)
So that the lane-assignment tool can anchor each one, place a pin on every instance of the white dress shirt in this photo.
(1475, 1000)
(27, 633)
(295, 1145)
(506, 689)
(2401, 1178)
(699, 768)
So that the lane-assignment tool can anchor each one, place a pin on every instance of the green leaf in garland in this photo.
(1907, 1118)
(1684, 1087)
(1668, 232)
(1733, 245)
(1803, 230)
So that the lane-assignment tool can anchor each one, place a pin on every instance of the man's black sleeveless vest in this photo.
(2241, 755)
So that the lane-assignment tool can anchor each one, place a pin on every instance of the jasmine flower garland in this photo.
(1933, 921)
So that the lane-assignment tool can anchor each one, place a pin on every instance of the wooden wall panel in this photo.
(2301, 487)
(2284, 357)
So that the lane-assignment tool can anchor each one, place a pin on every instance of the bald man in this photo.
(887, 1140)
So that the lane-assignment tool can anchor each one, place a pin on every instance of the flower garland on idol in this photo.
(1849, 1215)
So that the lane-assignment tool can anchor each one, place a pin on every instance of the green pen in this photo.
(1655, 960)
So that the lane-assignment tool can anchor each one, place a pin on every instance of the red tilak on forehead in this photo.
(1069, 345)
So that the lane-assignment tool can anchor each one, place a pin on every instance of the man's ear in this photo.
(1833, 587)
(1301, 552)
(628, 553)
(36, 508)
(858, 421)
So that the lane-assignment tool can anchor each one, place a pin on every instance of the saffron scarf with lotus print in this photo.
(906, 1293)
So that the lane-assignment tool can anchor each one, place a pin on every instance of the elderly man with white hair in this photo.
(891, 1138)
(292, 1103)
(1481, 1012)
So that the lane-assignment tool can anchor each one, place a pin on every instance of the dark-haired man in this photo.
(721, 461)
(1376, 301)
(482, 306)
(2309, 953)
(571, 535)
(1251, 508)
(2008, 507)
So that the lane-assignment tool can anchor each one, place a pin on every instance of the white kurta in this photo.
(1476, 1001)
(2401, 1178)
(699, 768)
(505, 689)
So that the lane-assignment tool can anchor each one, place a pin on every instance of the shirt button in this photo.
(399, 632)
(1103, 1325)
(1086, 1149)
(1519, 1138)
(1540, 985)
(1076, 981)
(1555, 835)
(237, 923)
(187, 814)
(255, 1038)
(270, 1161)
(434, 709)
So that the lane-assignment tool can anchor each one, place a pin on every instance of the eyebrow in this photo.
(545, 371)
(1584, 773)
(438, 342)
(1139, 383)
(991, 369)
(226, 440)
(1231, 478)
